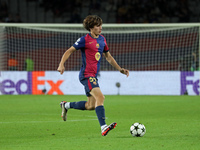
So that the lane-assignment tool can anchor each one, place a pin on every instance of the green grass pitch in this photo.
(35, 123)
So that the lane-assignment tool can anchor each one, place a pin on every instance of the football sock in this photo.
(100, 111)
(102, 127)
(77, 105)
(67, 105)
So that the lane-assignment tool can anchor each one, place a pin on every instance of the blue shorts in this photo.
(89, 83)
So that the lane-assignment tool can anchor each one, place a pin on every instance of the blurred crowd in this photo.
(125, 11)
(146, 11)
(118, 11)
(6, 16)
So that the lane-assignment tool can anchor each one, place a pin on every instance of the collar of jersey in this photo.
(93, 37)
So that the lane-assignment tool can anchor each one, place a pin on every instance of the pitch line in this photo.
(48, 114)
(46, 121)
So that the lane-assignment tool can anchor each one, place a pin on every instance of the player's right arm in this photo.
(61, 67)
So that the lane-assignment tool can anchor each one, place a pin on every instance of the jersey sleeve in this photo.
(106, 49)
(80, 43)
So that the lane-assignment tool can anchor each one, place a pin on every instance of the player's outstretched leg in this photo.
(64, 110)
(108, 128)
(68, 105)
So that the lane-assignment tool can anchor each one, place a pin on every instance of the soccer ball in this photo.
(137, 129)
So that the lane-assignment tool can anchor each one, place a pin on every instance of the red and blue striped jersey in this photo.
(91, 50)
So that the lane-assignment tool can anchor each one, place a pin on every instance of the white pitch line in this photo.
(48, 114)
(46, 121)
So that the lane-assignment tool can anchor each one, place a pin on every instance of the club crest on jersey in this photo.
(97, 56)
(97, 45)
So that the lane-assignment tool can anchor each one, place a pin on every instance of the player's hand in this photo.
(125, 71)
(61, 69)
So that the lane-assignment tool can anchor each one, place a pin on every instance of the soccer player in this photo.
(93, 45)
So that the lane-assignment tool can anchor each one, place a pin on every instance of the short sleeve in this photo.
(106, 49)
(80, 43)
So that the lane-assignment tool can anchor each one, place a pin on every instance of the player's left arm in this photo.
(113, 62)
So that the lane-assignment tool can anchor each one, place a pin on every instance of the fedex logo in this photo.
(191, 81)
(11, 86)
(54, 85)
(30, 85)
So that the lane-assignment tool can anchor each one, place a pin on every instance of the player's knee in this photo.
(100, 100)
(103, 97)
(91, 107)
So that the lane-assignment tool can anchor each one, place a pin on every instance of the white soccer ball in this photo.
(137, 129)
